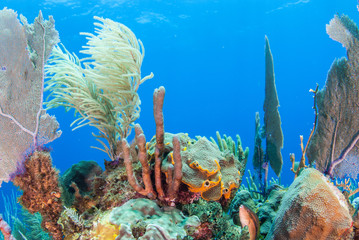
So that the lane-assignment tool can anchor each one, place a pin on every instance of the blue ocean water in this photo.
(209, 55)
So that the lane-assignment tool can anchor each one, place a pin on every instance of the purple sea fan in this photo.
(348, 168)
(24, 124)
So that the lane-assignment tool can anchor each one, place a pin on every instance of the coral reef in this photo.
(24, 124)
(41, 191)
(199, 164)
(172, 187)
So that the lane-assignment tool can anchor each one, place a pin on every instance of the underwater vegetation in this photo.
(171, 186)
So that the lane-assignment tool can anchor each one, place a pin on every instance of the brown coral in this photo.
(41, 192)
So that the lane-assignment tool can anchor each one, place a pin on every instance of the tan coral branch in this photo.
(177, 176)
(129, 170)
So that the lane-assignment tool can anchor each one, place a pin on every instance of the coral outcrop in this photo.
(267, 211)
(143, 219)
(205, 168)
(312, 208)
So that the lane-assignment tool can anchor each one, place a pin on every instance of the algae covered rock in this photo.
(215, 224)
(144, 219)
(268, 210)
(83, 175)
(312, 208)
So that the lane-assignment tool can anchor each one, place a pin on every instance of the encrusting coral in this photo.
(41, 191)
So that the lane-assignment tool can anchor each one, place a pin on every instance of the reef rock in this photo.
(268, 210)
(312, 208)
(143, 219)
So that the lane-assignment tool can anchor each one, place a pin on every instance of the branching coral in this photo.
(102, 88)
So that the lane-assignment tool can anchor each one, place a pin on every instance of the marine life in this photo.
(138, 167)
(249, 218)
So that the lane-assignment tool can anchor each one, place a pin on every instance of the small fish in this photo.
(249, 218)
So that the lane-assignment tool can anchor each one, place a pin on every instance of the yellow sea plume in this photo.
(102, 88)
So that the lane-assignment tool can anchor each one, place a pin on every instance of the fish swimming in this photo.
(249, 218)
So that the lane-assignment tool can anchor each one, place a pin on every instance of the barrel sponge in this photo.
(208, 170)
